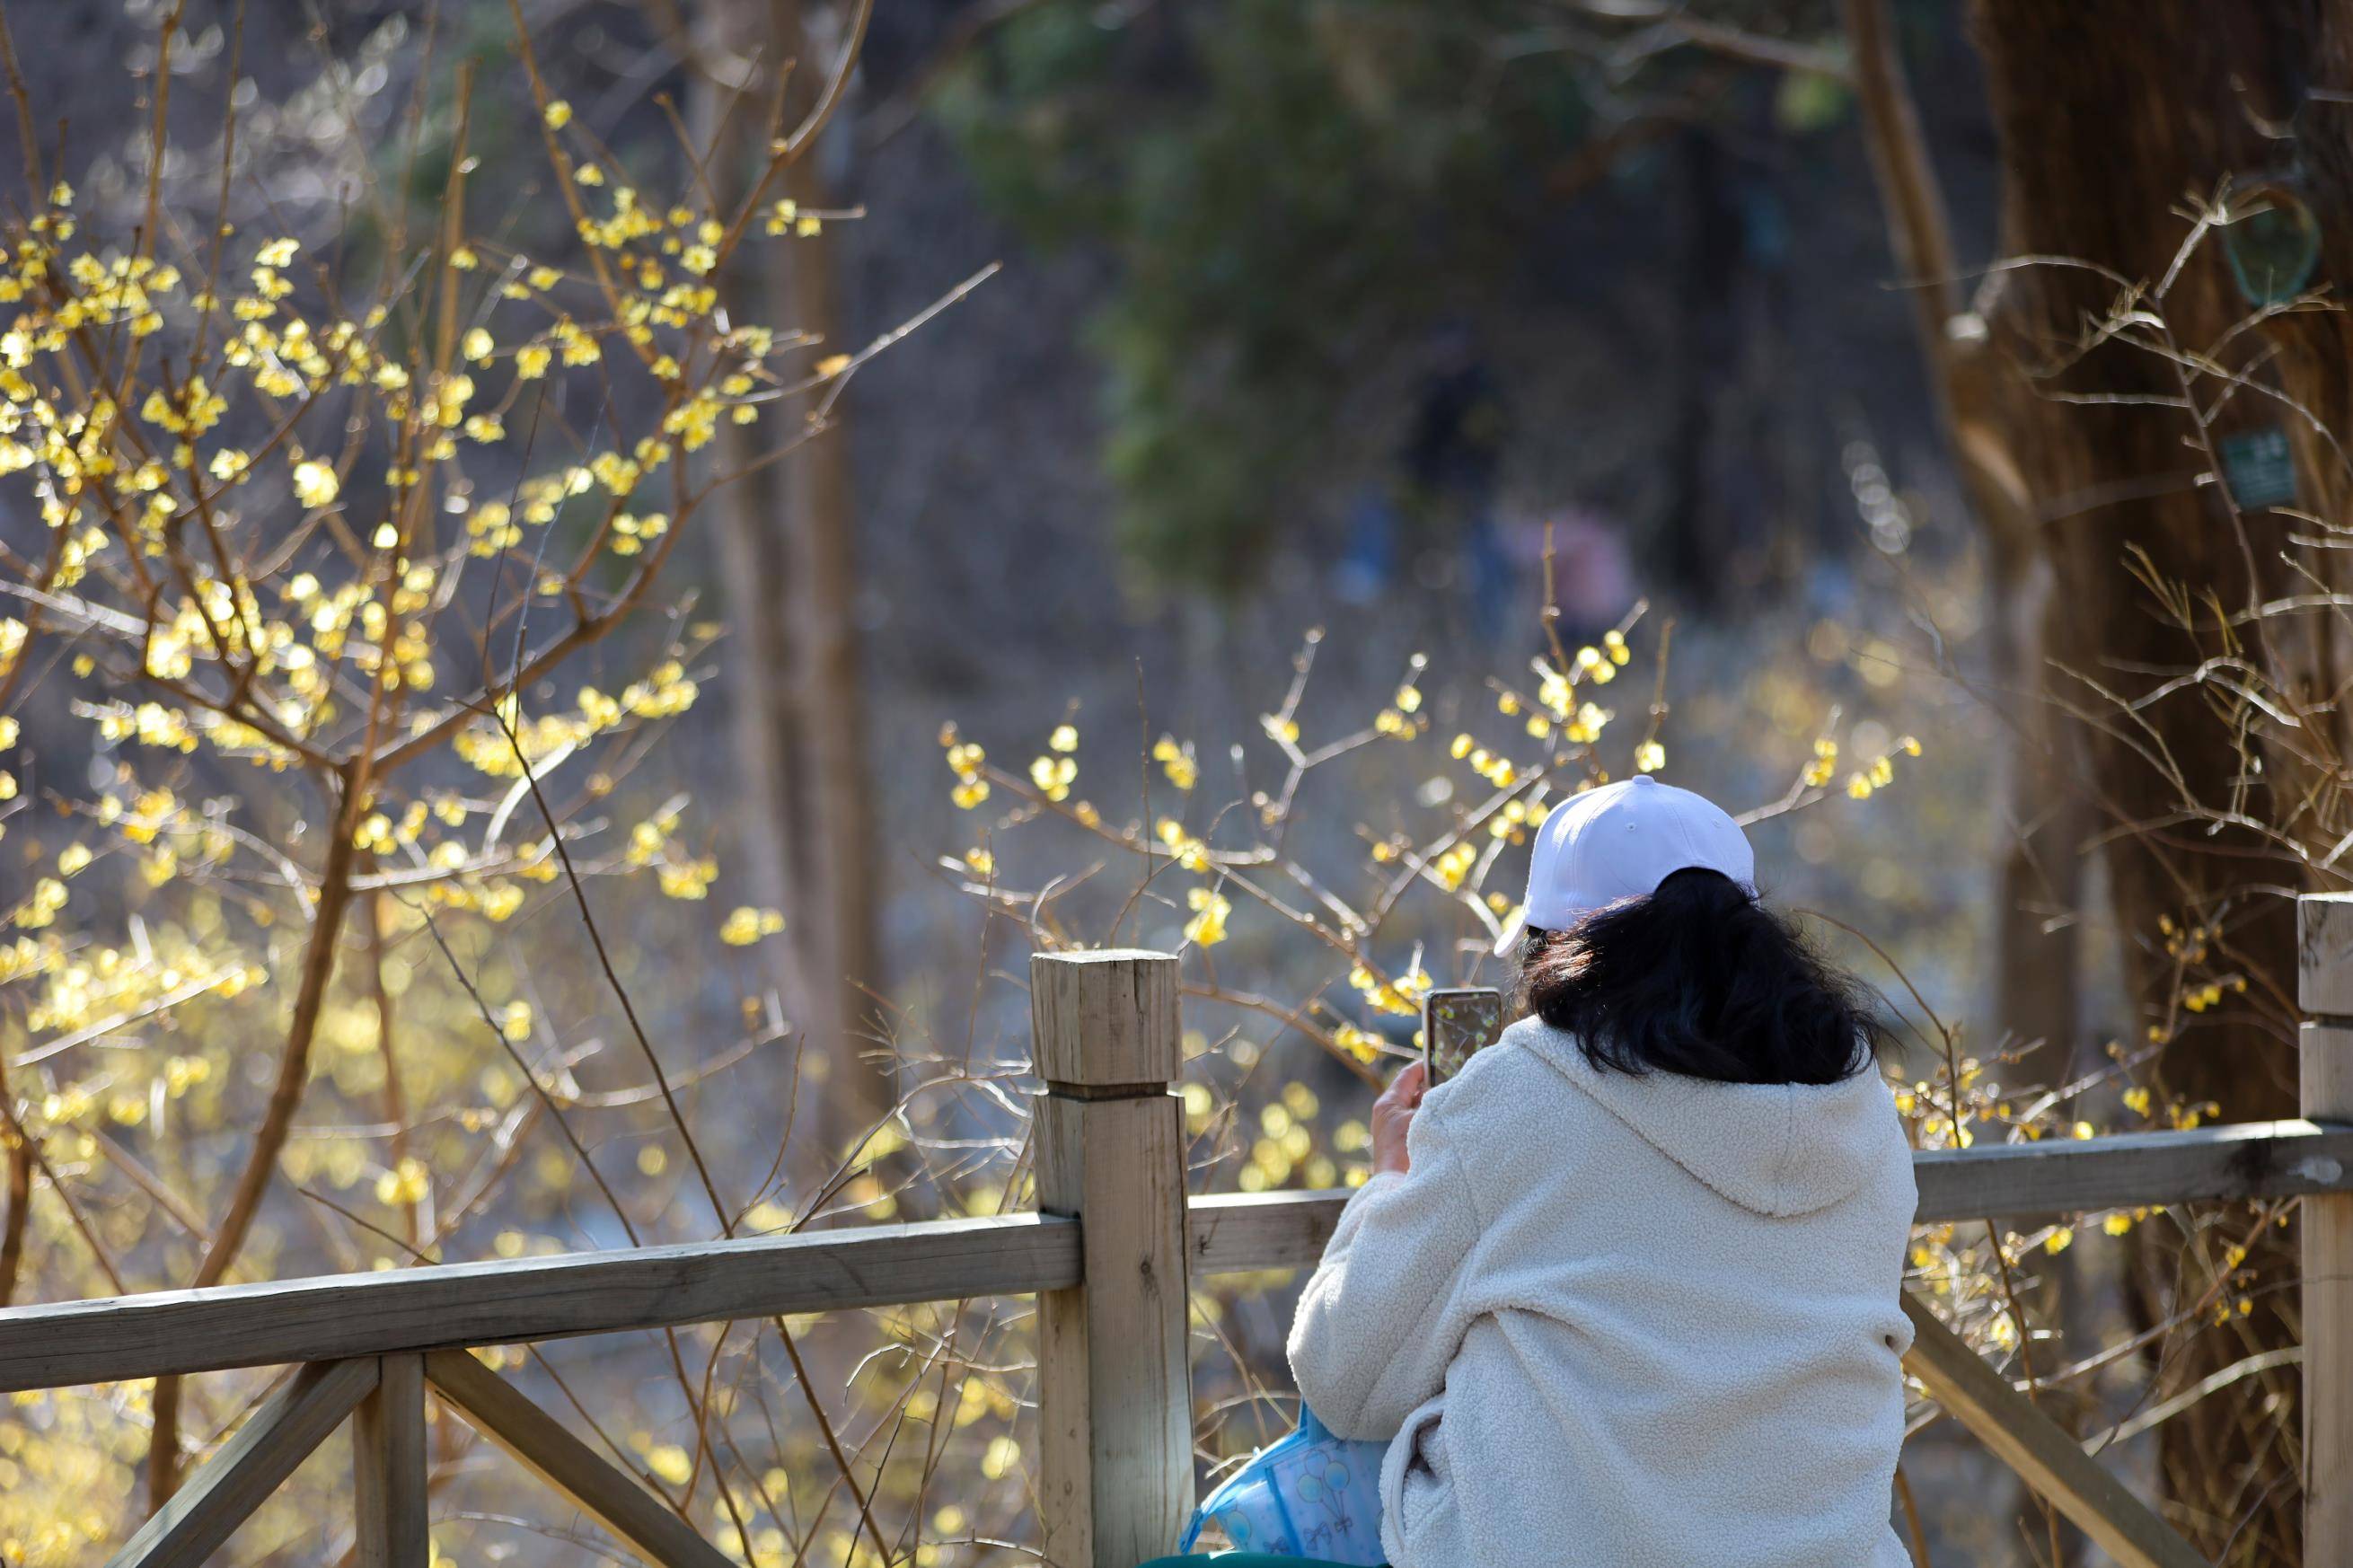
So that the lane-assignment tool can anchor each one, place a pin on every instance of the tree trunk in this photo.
(2111, 113)
(786, 535)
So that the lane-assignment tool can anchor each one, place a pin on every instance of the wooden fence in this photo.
(1110, 1259)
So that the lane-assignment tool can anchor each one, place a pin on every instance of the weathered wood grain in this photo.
(1114, 1393)
(2044, 1457)
(1104, 1018)
(510, 1300)
(2325, 1227)
(1235, 1232)
(544, 1446)
(225, 1489)
(388, 1491)
(2324, 970)
(2205, 1164)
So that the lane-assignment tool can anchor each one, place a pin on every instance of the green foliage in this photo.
(1292, 190)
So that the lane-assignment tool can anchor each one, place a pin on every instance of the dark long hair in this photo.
(1700, 979)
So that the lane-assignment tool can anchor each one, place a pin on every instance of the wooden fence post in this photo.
(389, 1483)
(1115, 1396)
(2325, 992)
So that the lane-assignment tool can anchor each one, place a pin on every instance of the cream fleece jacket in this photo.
(1610, 1322)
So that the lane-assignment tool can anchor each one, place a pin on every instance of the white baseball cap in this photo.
(1620, 841)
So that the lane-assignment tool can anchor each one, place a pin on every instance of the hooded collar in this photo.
(1776, 1149)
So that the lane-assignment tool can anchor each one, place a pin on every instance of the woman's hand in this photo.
(1392, 1114)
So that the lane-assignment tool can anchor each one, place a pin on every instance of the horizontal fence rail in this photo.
(512, 1300)
(506, 1301)
(2009, 1181)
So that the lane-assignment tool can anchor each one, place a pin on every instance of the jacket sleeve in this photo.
(1368, 1346)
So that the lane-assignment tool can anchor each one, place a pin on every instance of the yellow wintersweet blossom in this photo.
(964, 759)
(745, 925)
(1053, 775)
(1176, 761)
(1596, 666)
(1401, 997)
(407, 1182)
(48, 898)
(1210, 908)
(558, 114)
(315, 485)
(1189, 851)
(687, 879)
(1499, 771)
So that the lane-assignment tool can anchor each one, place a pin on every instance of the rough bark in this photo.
(2111, 114)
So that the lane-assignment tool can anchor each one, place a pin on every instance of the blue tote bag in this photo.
(1309, 1494)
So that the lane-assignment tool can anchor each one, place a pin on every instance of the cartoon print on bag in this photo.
(1329, 1494)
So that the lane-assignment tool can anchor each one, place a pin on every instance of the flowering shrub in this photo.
(340, 648)
(334, 652)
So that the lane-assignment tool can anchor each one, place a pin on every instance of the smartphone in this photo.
(1455, 1022)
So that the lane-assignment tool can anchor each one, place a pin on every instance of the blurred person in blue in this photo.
(1452, 464)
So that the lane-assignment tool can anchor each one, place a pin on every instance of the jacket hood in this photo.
(1776, 1148)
